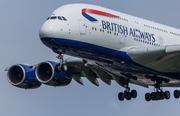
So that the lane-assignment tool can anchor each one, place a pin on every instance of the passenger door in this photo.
(82, 27)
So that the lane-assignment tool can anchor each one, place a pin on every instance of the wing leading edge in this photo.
(162, 58)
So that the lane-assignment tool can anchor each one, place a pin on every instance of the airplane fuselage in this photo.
(100, 34)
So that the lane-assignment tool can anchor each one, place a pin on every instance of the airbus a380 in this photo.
(109, 45)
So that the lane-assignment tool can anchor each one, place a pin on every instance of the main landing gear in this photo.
(159, 94)
(61, 66)
(127, 94)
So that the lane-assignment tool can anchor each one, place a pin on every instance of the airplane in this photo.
(105, 45)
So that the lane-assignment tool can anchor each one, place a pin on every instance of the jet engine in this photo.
(23, 76)
(46, 74)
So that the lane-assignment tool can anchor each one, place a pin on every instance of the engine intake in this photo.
(23, 76)
(46, 74)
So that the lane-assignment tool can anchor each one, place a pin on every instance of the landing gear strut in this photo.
(61, 66)
(127, 94)
(159, 94)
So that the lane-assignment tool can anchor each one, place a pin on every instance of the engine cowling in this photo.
(23, 76)
(46, 74)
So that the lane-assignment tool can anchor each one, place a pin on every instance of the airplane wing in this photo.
(92, 71)
(31, 76)
(160, 58)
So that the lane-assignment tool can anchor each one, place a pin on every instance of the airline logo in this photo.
(110, 26)
(97, 12)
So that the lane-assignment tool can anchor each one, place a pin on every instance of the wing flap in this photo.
(91, 70)
(78, 79)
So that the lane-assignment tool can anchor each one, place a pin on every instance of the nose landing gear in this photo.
(61, 66)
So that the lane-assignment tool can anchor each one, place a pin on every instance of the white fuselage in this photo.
(96, 31)
(117, 37)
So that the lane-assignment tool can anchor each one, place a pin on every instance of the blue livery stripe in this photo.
(89, 17)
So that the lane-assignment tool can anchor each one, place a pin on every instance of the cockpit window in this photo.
(53, 17)
(59, 18)
(64, 18)
(48, 18)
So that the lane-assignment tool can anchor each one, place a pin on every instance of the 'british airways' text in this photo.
(128, 32)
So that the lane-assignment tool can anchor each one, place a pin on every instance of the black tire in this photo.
(133, 93)
(157, 96)
(167, 94)
(64, 67)
(125, 93)
(176, 94)
(57, 68)
(148, 97)
(162, 95)
(121, 96)
(153, 96)
(128, 95)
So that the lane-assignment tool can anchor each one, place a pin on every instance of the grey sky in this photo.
(19, 27)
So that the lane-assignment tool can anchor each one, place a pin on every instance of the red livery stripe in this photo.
(85, 10)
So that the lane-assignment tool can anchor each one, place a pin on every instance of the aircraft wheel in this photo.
(148, 96)
(64, 67)
(176, 94)
(157, 96)
(133, 93)
(57, 68)
(162, 95)
(128, 95)
(121, 96)
(167, 94)
(153, 96)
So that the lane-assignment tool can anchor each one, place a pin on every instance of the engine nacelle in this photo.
(23, 76)
(46, 74)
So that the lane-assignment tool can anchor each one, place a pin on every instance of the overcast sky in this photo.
(19, 43)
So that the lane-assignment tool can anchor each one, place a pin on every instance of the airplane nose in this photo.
(46, 30)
